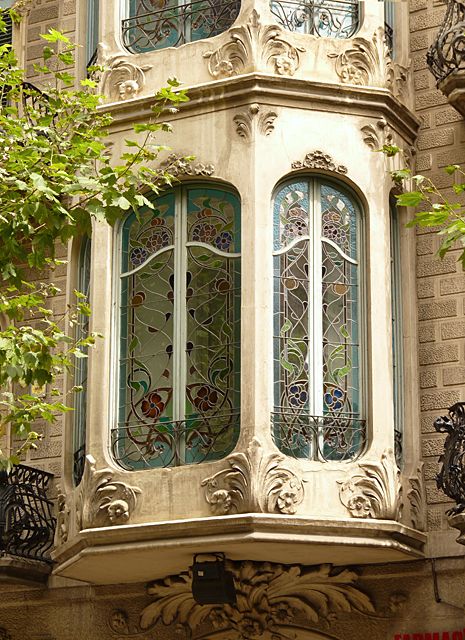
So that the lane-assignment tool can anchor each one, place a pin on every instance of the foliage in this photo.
(56, 176)
(434, 209)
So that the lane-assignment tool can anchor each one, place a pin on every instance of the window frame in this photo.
(179, 234)
(348, 191)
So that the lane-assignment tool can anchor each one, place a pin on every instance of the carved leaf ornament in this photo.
(269, 597)
(256, 482)
(103, 500)
(254, 46)
(368, 62)
(375, 491)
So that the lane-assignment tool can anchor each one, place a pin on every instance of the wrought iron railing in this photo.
(323, 18)
(173, 444)
(176, 23)
(451, 477)
(27, 525)
(447, 53)
(325, 438)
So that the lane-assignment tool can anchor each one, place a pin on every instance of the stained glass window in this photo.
(80, 374)
(179, 395)
(156, 24)
(317, 330)
(322, 18)
(397, 351)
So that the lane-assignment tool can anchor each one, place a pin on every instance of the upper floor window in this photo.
(170, 23)
(397, 351)
(81, 370)
(318, 408)
(92, 33)
(323, 18)
(179, 378)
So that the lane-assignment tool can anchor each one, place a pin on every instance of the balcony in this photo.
(446, 56)
(451, 478)
(27, 525)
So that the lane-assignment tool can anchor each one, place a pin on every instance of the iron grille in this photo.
(177, 23)
(451, 478)
(27, 525)
(171, 444)
(323, 18)
(335, 438)
(447, 53)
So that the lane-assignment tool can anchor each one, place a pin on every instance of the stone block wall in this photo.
(440, 283)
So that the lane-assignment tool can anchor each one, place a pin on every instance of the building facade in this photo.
(277, 344)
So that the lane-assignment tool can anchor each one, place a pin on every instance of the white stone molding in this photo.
(246, 121)
(417, 499)
(270, 596)
(255, 482)
(319, 160)
(377, 135)
(374, 490)
(178, 165)
(368, 63)
(254, 45)
(103, 501)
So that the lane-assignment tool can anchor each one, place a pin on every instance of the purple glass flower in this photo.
(223, 241)
(138, 256)
(297, 395)
(334, 399)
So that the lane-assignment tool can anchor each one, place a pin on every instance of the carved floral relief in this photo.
(122, 79)
(319, 160)
(178, 165)
(377, 135)
(254, 46)
(374, 490)
(256, 482)
(103, 500)
(369, 63)
(254, 118)
(63, 516)
(269, 597)
(417, 500)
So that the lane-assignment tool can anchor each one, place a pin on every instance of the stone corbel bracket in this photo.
(253, 119)
(255, 482)
(254, 46)
(374, 490)
(103, 501)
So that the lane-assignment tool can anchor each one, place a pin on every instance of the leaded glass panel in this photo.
(317, 322)
(180, 330)
(322, 18)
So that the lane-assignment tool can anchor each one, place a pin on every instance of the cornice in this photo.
(276, 91)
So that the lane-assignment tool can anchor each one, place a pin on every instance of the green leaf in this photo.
(410, 199)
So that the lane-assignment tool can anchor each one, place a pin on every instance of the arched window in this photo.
(397, 351)
(322, 18)
(318, 409)
(155, 24)
(179, 389)
(80, 373)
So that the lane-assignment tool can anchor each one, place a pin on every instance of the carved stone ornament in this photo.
(269, 598)
(417, 500)
(254, 46)
(246, 121)
(102, 500)
(319, 160)
(368, 63)
(63, 513)
(375, 490)
(255, 482)
(177, 165)
(377, 135)
(122, 79)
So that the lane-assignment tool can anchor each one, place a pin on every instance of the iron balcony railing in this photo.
(27, 525)
(176, 23)
(451, 478)
(447, 53)
(323, 18)
(335, 438)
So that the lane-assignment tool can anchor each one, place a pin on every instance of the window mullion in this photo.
(317, 301)
(179, 338)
